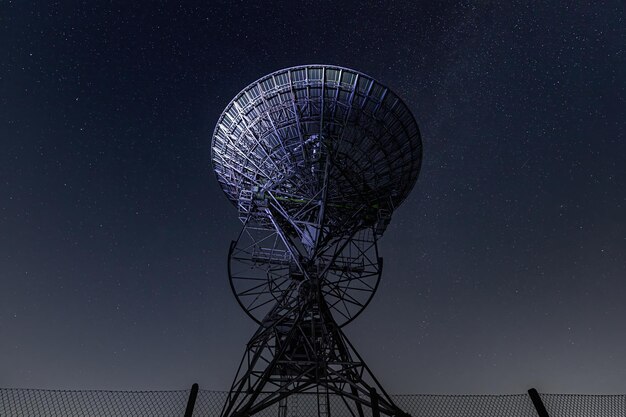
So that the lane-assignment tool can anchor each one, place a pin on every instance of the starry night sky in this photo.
(504, 269)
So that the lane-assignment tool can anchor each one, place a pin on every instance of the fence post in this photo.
(374, 401)
(192, 400)
(536, 399)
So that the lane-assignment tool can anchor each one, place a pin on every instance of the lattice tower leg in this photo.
(301, 349)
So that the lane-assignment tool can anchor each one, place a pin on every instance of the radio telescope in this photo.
(315, 158)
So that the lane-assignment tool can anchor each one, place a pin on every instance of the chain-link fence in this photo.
(56, 403)
(574, 405)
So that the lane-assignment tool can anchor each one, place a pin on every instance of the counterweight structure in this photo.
(315, 159)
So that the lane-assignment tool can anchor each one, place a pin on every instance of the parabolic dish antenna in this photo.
(315, 158)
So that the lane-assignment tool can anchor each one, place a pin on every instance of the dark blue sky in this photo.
(504, 269)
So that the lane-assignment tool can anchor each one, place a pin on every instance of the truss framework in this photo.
(266, 266)
(299, 348)
(301, 297)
